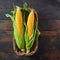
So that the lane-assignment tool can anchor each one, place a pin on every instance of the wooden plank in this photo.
(6, 25)
(4, 4)
(57, 24)
(42, 25)
(17, 2)
(48, 11)
(2, 54)
(53, 54)
(7, 36)
(3, 12)
(47, 24)
(49, 48)
(46, 45)
(5, 47)
(58, 1)
(48, 33)
(6, 52)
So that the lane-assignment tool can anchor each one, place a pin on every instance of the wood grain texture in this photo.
(6, 36)
(6, 25)
(4, 4)
(48, 33)
(53, 54)
(58, 24)
(48, 24)
(42, 25)
(3, 12)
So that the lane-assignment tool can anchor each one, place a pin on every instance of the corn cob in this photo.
(19, 26)
(30, 23)
(19, 21)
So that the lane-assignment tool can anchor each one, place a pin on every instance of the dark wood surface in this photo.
(49, 25)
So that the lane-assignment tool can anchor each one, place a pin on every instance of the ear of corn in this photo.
(31, 42)
(19, 26)
(19, 21)
(30, 23)
(30, 32)
(32, 39)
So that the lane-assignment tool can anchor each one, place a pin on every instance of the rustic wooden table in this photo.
(49, 25)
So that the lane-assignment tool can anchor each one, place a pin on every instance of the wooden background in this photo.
(49, 25)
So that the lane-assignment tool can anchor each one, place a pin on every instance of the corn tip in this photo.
(27, 51)
(23, 50)
(18, 8)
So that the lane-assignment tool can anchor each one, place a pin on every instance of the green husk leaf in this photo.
(33, 37)
(25, 12)
(14, 10)
(25, 6)
(21, 39)
(26, 37)
(38, 33)
(10, 16)
(18, 40)
(31, 42)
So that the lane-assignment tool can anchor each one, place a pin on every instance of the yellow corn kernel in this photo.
(19, 21)
(30, 23)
